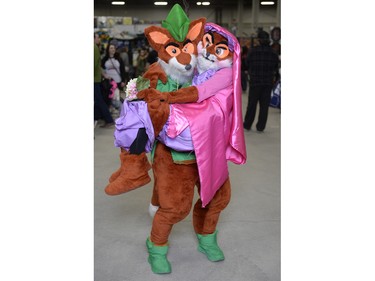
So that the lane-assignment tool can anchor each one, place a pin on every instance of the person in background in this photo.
(244, 74)
(113, 65)
(152, 56)
(262, 64)
(100, 107)
(125, 58)
(142, 63)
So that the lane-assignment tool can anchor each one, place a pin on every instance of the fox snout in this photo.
(181, 72)
(185, 59)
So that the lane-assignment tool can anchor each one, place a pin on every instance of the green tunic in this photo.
(178, 157)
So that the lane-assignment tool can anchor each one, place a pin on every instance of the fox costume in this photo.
(213, 125)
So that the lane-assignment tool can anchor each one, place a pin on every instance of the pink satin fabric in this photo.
(216, 124)
(177, 122)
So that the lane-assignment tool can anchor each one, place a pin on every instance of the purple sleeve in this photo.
(221, 79)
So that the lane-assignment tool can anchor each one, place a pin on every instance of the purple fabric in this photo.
(200, 78)
(182, 142)
(134, 115)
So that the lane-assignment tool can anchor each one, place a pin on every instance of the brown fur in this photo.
(134, 174)
(174, 185)
(174, 193)
(206, 219)
(122, 161)
(154, 72)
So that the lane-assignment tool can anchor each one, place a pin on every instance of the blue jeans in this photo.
(101, 110)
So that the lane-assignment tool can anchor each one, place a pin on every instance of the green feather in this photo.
(177, 23)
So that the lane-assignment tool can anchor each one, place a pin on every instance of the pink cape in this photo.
(216, 125)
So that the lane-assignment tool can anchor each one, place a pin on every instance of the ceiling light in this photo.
(267, 3)
(199, 3)
(205, 3)
(118, 3)
(160, 3)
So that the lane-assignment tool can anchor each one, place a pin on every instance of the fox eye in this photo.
(173, 51)
(189, 48)
(221, 51)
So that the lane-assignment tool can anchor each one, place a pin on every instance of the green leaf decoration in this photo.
(142, 83)
(177, 23)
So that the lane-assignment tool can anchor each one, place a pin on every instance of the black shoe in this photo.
(260, 130)
(246, 127)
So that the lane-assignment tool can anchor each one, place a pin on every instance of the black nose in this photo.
(188, 67)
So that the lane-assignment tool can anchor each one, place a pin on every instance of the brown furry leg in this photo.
(155, 197)
(206, 219)
(175, 188)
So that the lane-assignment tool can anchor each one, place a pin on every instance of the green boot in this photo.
(208, 246)
(158, 258)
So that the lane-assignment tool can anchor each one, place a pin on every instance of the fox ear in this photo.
(157, 36)
(196, 30)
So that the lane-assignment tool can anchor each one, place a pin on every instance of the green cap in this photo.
(177, 23)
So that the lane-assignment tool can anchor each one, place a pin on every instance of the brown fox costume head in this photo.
(176, 43)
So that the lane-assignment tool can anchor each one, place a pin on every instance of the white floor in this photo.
(249, 228)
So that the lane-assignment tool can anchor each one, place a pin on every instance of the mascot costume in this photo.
(195, 131)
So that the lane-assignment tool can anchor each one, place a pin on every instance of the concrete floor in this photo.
(249, 228)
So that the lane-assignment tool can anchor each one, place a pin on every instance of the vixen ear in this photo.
(157, 36)
(196, 30)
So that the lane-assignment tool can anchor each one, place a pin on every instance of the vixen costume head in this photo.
(214, 52)
(176, 43)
